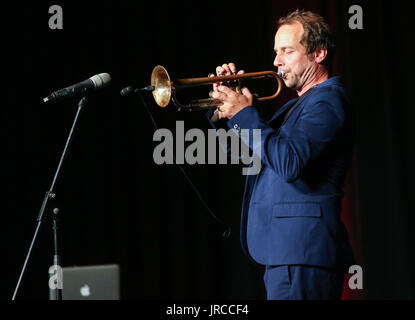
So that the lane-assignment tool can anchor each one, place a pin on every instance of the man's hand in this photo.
(232, 102)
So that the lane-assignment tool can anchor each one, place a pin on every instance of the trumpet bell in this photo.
(162, 86)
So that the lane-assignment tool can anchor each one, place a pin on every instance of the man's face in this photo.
(291, 56)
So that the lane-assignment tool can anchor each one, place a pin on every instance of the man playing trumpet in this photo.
(291, 210)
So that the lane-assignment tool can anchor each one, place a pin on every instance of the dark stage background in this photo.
(118, 206)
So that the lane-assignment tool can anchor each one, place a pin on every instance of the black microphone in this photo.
(80, 89)
(128, 90)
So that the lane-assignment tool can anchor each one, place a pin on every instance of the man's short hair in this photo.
(317, 33)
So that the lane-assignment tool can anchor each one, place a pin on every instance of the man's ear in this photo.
(320, 55)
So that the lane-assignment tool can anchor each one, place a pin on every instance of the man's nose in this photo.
(278, 61)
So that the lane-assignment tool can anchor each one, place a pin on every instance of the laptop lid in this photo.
(100, 282)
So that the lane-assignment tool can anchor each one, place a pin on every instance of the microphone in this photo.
(80, 89)
(128, 90)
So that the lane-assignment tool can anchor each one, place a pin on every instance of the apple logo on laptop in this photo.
(85, 292)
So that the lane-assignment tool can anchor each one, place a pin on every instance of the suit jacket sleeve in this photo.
(288, 150)
(218, 125)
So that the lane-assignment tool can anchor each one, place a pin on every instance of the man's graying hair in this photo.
(317, 34)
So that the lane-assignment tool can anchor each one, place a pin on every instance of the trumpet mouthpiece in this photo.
(281, 74)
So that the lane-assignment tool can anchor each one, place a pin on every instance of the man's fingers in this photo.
(215, 85)
(227, 69)
(221, 114)
(232, 67)
(218, 95)
(220, 71)
(246, 92)
(225, 90)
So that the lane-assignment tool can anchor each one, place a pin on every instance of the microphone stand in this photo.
(55, 290)
(55, 293)
(226, 233)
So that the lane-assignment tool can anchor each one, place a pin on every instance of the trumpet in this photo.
(164, 90)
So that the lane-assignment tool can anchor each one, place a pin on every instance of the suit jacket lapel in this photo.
(282, 110)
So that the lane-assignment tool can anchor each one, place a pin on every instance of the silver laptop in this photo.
(101, 282)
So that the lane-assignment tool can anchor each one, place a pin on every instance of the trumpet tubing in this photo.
(164, 89)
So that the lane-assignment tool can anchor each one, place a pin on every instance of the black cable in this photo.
(227, 232)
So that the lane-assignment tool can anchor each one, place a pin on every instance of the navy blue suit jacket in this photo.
(291, 209)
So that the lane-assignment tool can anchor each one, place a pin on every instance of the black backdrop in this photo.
(118, 206)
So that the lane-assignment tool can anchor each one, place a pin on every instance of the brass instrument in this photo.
(165, 90)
